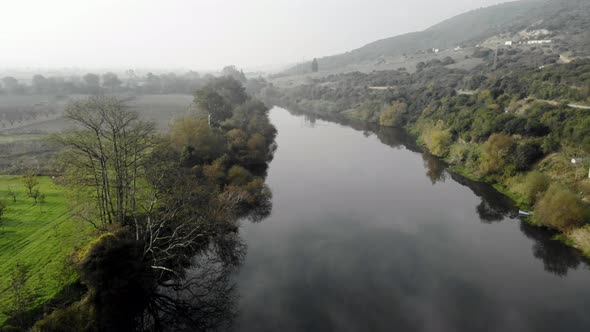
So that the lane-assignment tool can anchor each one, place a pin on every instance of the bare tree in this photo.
(12, 194)
(105, 155)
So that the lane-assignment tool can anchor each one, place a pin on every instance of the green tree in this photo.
(560, 209)
(3, 207)
(438, 141)
(393, 115)
(21, 295)
(532, 186)
(495, 154)
(30, 181)
(12, 194)
(213, 104)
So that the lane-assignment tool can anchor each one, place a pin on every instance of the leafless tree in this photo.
(105, 154)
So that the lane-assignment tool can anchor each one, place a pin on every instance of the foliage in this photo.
(531, 186)
(437, 141)
(30, 181)
(393, 115)
(20, 293)
(495, 154)
(560, 209)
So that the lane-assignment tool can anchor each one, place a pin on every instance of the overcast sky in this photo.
(204, 34)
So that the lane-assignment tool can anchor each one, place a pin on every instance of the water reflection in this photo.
(557, 258)
(494, 207)
(205, 299)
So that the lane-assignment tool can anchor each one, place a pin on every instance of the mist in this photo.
(204, 34)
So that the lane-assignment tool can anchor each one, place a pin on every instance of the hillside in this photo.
(565, 21)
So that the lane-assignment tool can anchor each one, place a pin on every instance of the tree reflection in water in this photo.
(205, 298)
(494, 207)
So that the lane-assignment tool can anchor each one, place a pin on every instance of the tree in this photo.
(2, 209)
(110, 81)
(12, 194)
(496, 153)
(233, 72)
(39, 84)
(107, 152)
(213, 104)
(525, 155)
(30, 181)
(438, 141)
(314, 65)
(92, 82)
(532, 186)
(21, 295)
(11, 84)
(393, 115)
(560, 209)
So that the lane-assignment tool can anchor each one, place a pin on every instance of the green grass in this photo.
(40, 236)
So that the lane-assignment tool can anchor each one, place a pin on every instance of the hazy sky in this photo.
(203, 34)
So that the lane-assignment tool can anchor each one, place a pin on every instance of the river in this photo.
(369, 234)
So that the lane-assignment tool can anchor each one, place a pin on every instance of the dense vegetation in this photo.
(166, 207)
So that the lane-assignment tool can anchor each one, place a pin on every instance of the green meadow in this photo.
(41, 236)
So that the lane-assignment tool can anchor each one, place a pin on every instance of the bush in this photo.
(560, 209)
(526, 155)
(238, 175)
(531, 186)
(496, 151)
(438, 141)
(393, 115)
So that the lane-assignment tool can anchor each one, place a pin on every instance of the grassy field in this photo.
(40, 236)
(161, 109)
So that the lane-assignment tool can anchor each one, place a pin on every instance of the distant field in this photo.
(161, 109)
(25, 120)
(38, 236)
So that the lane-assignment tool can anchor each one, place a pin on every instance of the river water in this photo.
(369, 234)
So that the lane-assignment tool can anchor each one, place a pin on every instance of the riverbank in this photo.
(529, 188)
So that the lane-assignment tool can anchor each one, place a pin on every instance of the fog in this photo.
(200, 34)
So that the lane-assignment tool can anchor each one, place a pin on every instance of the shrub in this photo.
(238, 175)
(525, 155)
(531, 186)
(496, 151)
(438, 141)
(560, 209)
(393, 115)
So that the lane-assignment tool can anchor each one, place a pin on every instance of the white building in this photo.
(544, 41)
(508, 43)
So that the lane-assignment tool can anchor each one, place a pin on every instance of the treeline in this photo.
(166, 208)
(130, 81)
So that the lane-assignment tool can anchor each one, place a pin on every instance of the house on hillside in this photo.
(508, 43)
(541, 41)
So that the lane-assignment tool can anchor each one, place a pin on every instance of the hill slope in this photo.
(567, 20)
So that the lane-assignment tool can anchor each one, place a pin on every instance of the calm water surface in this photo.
(369, 234)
